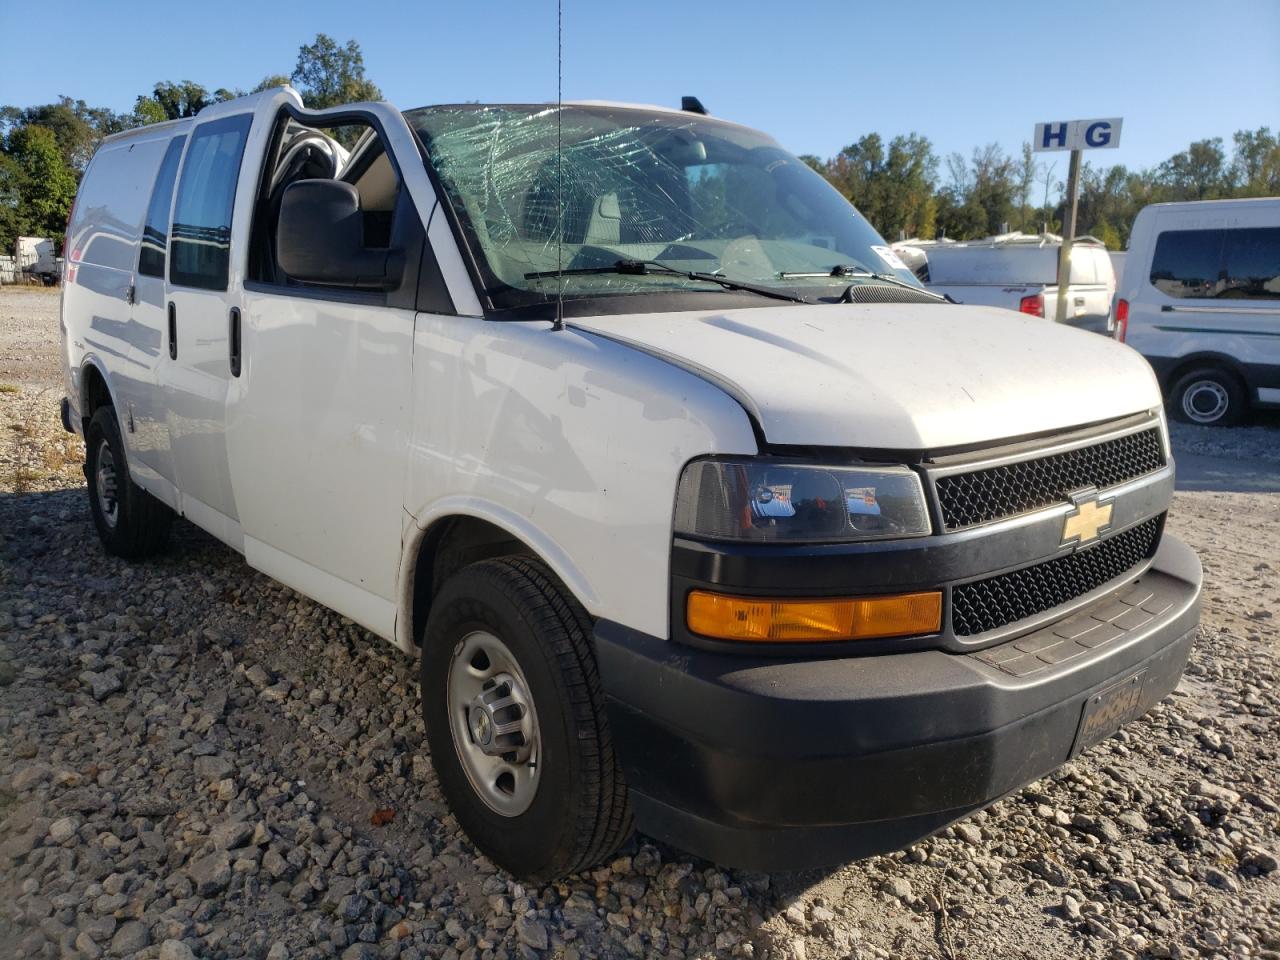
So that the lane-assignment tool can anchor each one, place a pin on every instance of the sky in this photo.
(816, 75)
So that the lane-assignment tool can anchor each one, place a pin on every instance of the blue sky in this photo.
(816, 75)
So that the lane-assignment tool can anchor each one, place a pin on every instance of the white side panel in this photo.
(101, 256)
(570, 442)
(318, 430)
(213, 522)
(371, 612)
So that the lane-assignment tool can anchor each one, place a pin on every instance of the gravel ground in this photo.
(196, 761)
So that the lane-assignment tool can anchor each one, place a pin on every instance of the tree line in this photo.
(904, 190)
(44, 149)
(902, 187)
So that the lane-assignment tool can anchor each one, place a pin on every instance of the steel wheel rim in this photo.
(493, 723)
(1194, 397)
(107, 484)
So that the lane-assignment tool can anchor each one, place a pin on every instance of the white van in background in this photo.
(1117, 264)
(1201, 301)
(1017, 271)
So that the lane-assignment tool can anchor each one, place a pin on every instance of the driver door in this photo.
(320, 420)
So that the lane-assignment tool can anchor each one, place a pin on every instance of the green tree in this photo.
(1198, 173)
(173, 101)
(270, 82)
(995, 186)
(43, 183)
(893, 186)
(1255, 168)
(77, 127)
(10, 202)
(1027, 172)
(328, 75)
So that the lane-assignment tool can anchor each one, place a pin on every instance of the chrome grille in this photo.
(994, 493)
(1009, 597)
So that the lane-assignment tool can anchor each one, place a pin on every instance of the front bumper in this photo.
(775, 764)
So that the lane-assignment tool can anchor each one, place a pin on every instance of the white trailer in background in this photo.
(1018, 271)
(35, 258)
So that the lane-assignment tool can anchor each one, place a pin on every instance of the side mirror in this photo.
(320, 239)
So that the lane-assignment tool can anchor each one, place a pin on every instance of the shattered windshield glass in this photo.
(673, 190)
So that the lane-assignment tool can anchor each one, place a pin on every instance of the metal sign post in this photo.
(1076, 136)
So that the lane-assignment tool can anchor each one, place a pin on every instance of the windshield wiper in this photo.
(841, 270)
(641, 268)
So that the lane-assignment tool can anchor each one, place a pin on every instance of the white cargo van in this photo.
(699, 513)
(1201, 301)
(1018, 271)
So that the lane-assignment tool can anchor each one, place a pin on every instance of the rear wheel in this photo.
(515, 720)
(131, 523)
(1210, 396)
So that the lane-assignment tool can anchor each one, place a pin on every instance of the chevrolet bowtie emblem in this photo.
(1087, 520)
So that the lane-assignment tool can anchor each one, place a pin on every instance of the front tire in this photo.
(1209, 396)
(131, 523)
(515, 721)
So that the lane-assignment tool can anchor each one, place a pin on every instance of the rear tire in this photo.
(131, 523)
(550, 801)
(1208, 396)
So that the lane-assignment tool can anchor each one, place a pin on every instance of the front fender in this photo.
(572, 443)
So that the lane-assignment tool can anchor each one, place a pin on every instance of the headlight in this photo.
(763, 500)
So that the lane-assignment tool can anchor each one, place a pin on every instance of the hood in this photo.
(897, 376)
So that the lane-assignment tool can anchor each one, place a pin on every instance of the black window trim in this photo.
(163, 275)
(409, 294)
(234, 193)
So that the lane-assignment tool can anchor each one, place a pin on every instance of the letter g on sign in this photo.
(1098, 133)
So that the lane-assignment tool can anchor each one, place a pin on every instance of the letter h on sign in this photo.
(1053, 135)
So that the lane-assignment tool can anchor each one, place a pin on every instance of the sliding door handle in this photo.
(234, 341)
(173, 331)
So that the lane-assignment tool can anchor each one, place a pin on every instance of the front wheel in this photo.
(131, 523)
(515, 721)
(1209, 396)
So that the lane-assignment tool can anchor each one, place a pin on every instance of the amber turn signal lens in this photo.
(791, 621)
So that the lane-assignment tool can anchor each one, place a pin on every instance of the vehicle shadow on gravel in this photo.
(190, 751)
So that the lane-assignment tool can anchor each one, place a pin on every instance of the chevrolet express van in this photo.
(1201, 300)
(700, 514)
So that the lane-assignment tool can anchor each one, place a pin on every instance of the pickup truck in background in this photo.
(1018, 271)
(697, 510)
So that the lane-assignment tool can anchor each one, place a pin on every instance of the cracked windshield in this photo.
(651, 201)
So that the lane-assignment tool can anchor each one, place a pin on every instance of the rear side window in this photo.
(1240, 264)
(1252, 263)
(155, 231)
(111, 203)
(201, 247)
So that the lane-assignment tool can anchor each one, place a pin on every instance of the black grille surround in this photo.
(1010, 489)
(1006, 598)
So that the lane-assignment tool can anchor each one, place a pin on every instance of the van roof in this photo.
(149, 129)
(176, 125)
(1208, 204)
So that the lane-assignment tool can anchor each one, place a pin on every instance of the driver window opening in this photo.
(352, 154)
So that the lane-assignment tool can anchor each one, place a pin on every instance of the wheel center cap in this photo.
(481, 725)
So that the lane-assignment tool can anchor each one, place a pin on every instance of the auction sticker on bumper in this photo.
(1105, 712)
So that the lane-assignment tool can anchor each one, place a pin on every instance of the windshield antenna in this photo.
(559, 321)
